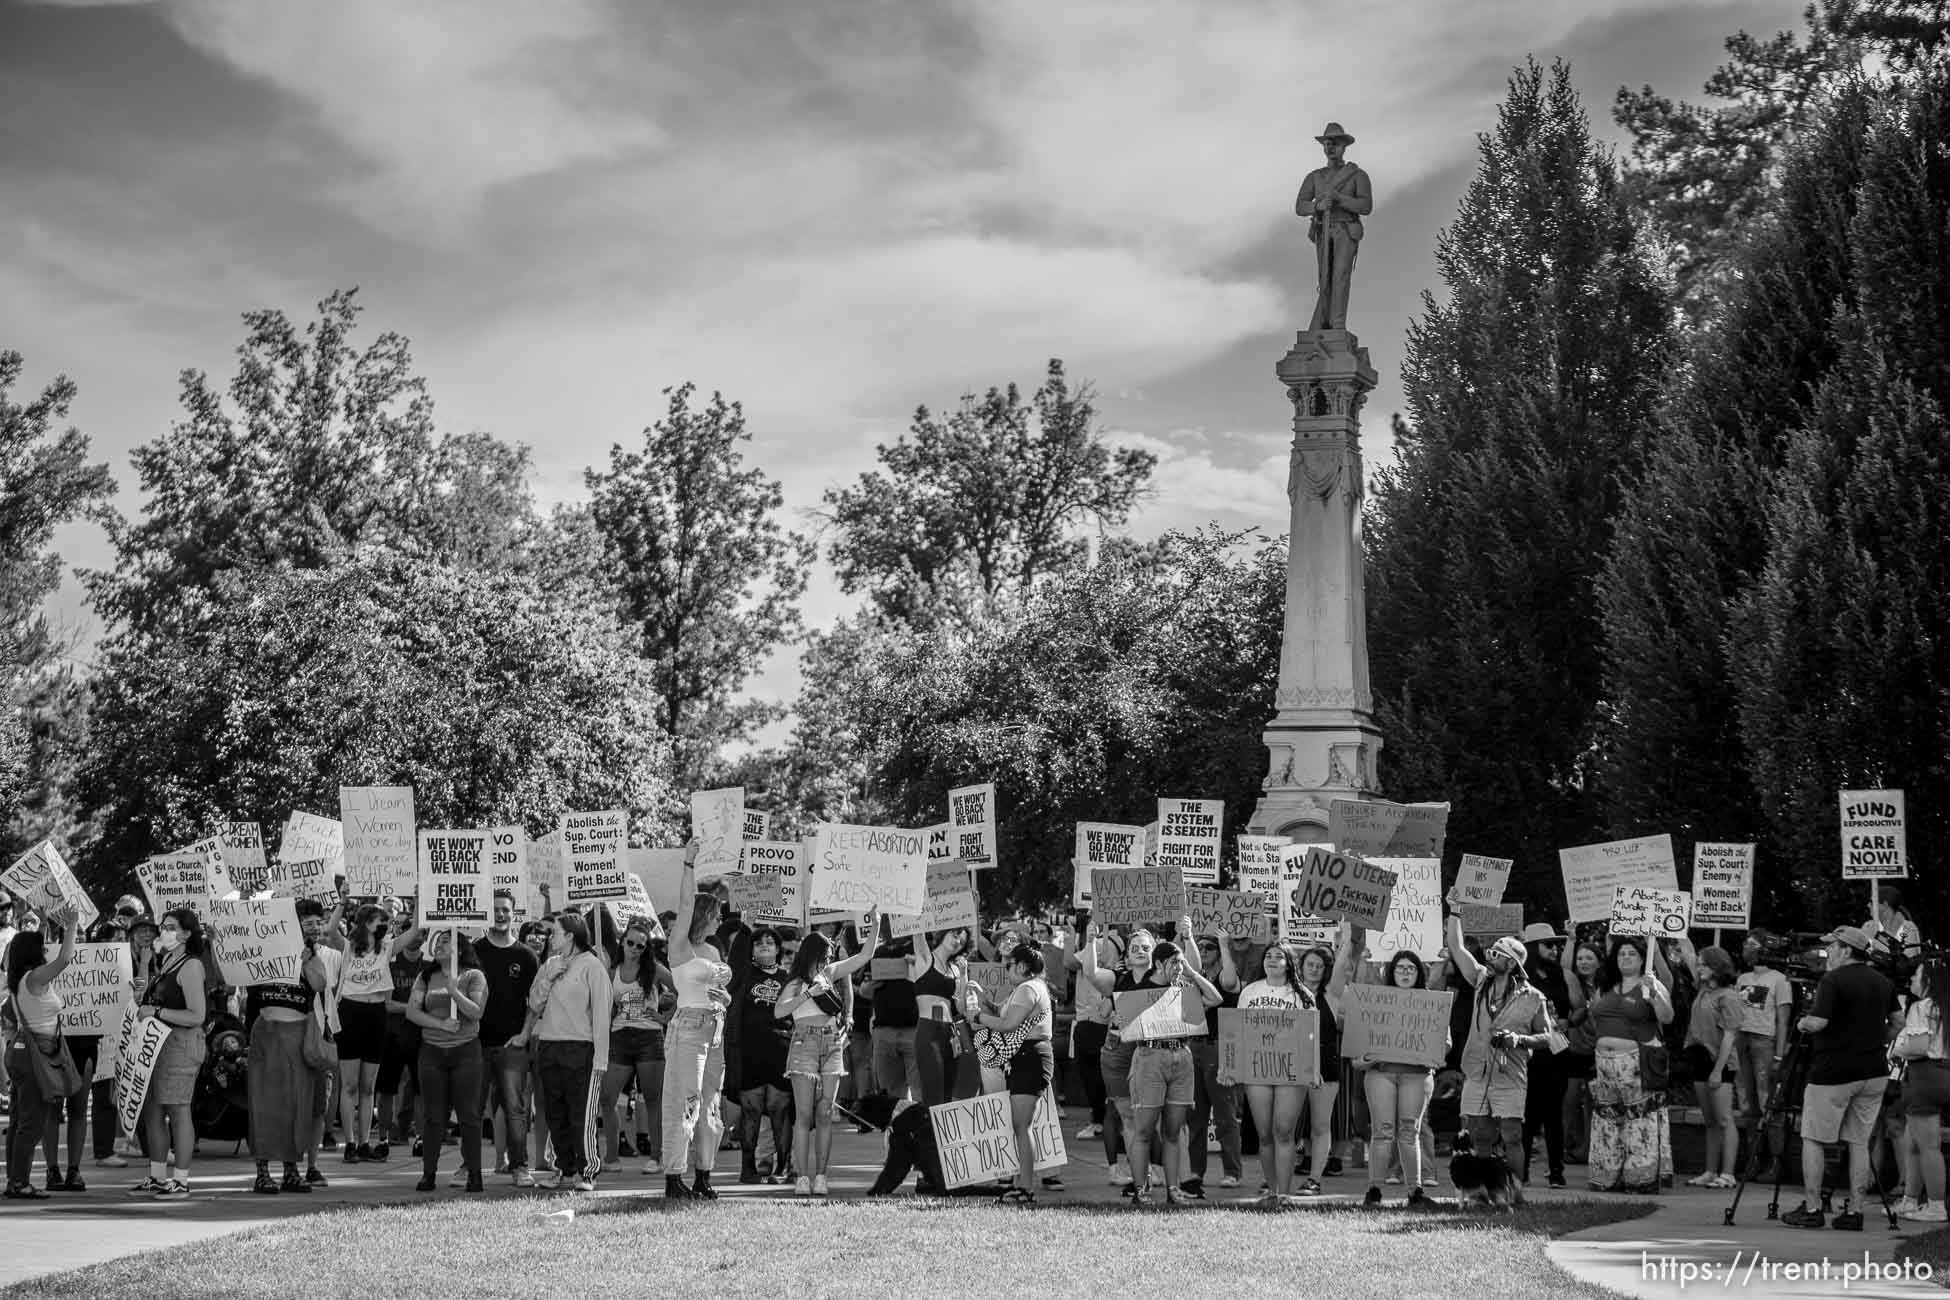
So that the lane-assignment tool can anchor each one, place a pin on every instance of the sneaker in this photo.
(1557, 1180)
(74, 1181)
(1928, 1214)
(314, 1178)
(521, 1176)
(585, 1184)
(1230, 1180)
(1704, 1180)
(474, 1184)
(1905, 1207)
(1430, 1180)
(1803, 1217)
(802, 1186)
(147, 1187)
(459, 1177)
(1089, 1131)
(1178, 1196)
(425, 1185)
(1120, 1174)
(1393, 1180)
(1052, 1182)
(329, 1143)
(55, 1181)
(1309, 1188)
(178, 1190)
(1333, 1169)
(1373, 1197)
(380, 1151)
(113, 1161)
(351, 1155)
(1847, 1221)
(819, 1187)
(652, 1168)
(1193, 1188)
(1418, 1197)
(546, 1179)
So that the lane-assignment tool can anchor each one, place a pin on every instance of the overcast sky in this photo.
(832, 210)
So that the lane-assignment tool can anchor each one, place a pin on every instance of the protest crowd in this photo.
(551, 1046)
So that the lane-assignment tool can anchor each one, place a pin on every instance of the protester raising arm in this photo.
(1208, 993)
(1466, 965)
(1103, 981)
(36, 981)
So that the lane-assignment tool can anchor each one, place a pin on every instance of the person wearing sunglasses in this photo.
(636, 1037)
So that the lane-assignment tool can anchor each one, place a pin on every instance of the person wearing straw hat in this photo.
(1333, 199)
(1550, 1076)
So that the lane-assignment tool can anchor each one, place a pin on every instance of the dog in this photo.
(1479, 1180)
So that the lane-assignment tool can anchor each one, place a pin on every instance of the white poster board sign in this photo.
(1593, 872)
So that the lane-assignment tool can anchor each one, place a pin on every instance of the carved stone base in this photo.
(1311, 764)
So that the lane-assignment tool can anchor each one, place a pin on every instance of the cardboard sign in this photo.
(508, 867)
(1171, 1012)
(95, 987)
(1103, 844)
(1259, 868)
(1875, 844)
(1137, 895)
(758, 825)
(311, 838)
(242, 847)
(718, 822)
(1298, 926)
(547, 870)
(1190, 835)
(40, 879)
(1655, 913)
(257, 941)
(135, 1064)
(1275, 1046)
(977, 1138)
(971, 811)
(283, 879)
(1490, 922)
(1342, 887)
(755, 894)
(173, 880)
(1230, 914)
(381, 853)
(1723, 885)
(453, 878)
(592, 857)
(1405, 1026)
(1415, 912)
(1374, 828)
(784, 859)
(637, 904)
(860, 867)
(209, 855)
(1594, 872)
(882, 970)
(1482, 880)
(950, 903)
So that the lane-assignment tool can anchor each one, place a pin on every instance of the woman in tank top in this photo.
(176, 997)
(816, 1060)
(694, 1041)
(34, 1019)
(937, 966)
(365, 987)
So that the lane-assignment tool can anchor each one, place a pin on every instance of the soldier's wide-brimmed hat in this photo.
(1335, 131)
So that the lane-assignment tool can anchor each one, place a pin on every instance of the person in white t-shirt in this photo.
(1892, 929)
(1766, 1007)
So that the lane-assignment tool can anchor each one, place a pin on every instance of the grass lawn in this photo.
(1932, 1248)
(859, 1250)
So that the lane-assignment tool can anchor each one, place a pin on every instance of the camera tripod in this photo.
(1770, 1135)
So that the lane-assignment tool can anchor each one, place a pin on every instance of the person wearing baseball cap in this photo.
(1852, 1020)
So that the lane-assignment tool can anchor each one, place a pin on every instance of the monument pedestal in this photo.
(1322, 742)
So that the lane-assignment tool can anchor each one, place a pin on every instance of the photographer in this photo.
(1766, 1007)
(1852, 1020)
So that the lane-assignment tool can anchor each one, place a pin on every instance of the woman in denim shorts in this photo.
(815, 1062)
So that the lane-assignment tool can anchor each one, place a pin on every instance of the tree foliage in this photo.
(493, 700)
(701, 570)
(1532, 389)
(983, 502)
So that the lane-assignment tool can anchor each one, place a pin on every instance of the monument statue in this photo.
(1334, 198)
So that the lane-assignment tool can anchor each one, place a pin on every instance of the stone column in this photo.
(1322, 741)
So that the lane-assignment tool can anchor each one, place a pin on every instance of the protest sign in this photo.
(1259, 867)
(994, 978)
(285, 879)
(1723, 885)
(257, 940)
(311, 838)
(1875, 843)
(1491, 921)
(1404, 1026)
(1171, 1012)
(758, 825)
(209, 852)
(718, 823)
(508, 867)
(882, 969)
(971, 811)
(1298, 926)
(1657, 913)
(1151, 844)
(784, 859)
(40, 879)
(381, 854)
(1482, 880)
(1137, 895)
(1375, 828)
(94, 988)
(592, 857)
(1230, 914)
(976, 1138)
(1103, 844)
(638, 904)
(136, 1055)
(1415, 911)
(1190, 834)
(860, 867)
(950, 902)
(547, 871)
(173, 880)
(1270, 1045)
(453, 878)
(242, 846)
(1593, 872)
(1342, 887)
(756, 893)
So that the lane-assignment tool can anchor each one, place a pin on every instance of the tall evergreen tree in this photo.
(1532, 390)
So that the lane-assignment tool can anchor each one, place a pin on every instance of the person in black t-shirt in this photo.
(510, 969)
(756, 1042)
(1853, 1018)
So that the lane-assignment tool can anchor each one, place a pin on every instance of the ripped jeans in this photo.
(693, 1088)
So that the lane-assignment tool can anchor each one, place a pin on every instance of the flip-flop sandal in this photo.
(1016, 1196)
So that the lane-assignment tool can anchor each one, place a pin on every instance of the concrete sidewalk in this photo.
(1685, 1247)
